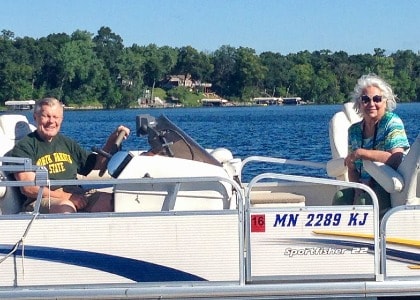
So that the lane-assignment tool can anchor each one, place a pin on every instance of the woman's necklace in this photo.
(373, 140)
(374, 135)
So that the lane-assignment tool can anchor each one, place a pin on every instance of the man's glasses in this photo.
(366, 99)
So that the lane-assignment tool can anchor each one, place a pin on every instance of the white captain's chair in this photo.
(12, 129)
(403, 184)
(338, 134)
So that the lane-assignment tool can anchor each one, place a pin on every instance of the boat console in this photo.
(165, 138)
(172, 154)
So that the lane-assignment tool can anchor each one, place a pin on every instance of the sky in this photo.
(281, 26)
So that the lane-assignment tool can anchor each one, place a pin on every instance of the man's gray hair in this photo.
(50, 101)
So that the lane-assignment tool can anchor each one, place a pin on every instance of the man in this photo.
(64, 159)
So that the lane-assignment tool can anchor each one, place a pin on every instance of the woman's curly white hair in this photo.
(376, 81)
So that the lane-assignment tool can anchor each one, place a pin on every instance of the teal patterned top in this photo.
(389, 134)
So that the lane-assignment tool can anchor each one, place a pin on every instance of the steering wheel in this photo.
(108, 155)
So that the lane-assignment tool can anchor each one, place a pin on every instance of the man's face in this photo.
(49, 121)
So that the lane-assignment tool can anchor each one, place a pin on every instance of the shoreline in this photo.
(241, 104)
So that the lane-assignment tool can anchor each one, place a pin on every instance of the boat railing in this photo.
(321, 181)
(42, 180)
(390, 225)
(15, 164)
(244, 287)
(283, 161)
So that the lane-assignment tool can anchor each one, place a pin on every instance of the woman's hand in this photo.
(351, 158)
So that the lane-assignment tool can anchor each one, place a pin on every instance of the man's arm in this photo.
(101, 161)
(32, 191)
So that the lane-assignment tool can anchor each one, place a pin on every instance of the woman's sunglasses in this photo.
(366, 99)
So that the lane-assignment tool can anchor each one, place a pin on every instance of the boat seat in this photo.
(225, 157)
(268, 198)
(402, 184)
(172, 196)
(338, 136)
(12, 129)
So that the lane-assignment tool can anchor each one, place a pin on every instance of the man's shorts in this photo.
(91, 196)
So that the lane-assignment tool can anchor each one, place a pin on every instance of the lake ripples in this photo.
(292, 132)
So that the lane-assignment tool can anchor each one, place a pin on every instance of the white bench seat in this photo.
(268, 198)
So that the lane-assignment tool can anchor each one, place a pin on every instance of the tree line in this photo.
(85, 68)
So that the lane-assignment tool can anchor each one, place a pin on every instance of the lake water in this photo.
(293, 132)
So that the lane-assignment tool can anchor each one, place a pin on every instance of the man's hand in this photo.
(78, 200)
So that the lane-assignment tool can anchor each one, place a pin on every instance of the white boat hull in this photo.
(108, 249)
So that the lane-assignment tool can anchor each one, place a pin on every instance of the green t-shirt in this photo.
(62, 157)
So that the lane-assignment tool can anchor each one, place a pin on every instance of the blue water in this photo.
(293, 132)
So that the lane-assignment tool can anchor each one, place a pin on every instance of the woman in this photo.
(380, 136)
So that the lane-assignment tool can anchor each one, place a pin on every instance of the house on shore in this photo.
(187, 81)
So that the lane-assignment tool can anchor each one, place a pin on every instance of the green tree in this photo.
(16, 69)
(277, 75)
(406, 70)
(383, 65)
(326, 89)
(249, 73)
(7, 35)
(31, 56)
(79, 66)
(185, 96)
(346, 74)
(168, 58)
(6, 50)
(131, 77)
(301, 77)
(83, 68)
(153, 66)
(109, 47)
(194, 63)
(51, 74)
(222, 78)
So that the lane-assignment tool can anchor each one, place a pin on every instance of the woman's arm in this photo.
(392, 158)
